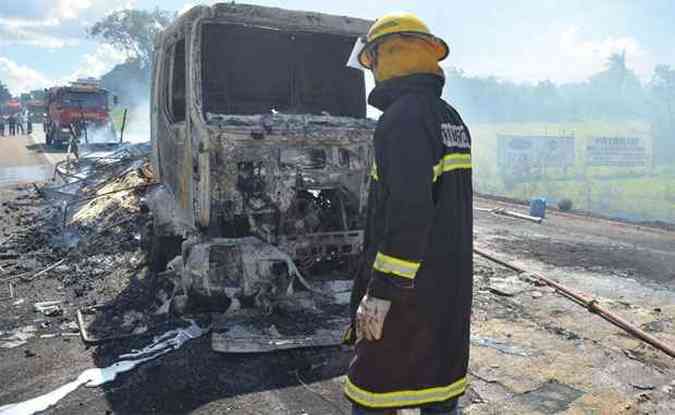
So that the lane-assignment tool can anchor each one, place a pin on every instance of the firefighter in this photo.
(411, 301)
(2, 125)
(29, 125)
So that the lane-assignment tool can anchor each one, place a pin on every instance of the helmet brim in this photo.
(441, 48)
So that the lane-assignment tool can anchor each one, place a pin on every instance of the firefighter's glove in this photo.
(370, 318)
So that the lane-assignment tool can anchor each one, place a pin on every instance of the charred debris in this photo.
(247, 207)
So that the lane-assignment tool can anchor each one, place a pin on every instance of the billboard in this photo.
(618, 152)
(520, 154)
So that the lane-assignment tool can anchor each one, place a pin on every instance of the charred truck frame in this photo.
(262, 146)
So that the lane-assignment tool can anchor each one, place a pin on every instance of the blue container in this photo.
(538, 207)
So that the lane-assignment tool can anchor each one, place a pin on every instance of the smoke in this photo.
(102, 135)
(137, 128)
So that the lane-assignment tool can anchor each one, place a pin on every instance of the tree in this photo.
(133, 31)
(662, 88)
(617, 91)
(5, 95)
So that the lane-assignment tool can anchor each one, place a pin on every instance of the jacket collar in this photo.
(385, 93)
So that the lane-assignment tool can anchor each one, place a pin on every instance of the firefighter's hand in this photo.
(370, 318)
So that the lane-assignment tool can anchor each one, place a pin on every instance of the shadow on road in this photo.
(195, 376)
(43, 148)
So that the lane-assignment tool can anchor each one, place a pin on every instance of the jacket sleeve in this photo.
(405, 168)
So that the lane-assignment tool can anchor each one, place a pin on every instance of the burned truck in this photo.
(262, 148)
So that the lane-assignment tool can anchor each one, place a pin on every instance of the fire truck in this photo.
(11, 107)
(80, 111)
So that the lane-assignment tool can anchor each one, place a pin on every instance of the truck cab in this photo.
(81, 110)
(262, 146)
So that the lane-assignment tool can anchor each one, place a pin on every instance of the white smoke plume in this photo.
(137, 128)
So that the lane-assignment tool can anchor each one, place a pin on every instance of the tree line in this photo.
(615, 93)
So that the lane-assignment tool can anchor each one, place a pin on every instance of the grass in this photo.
(632, 193)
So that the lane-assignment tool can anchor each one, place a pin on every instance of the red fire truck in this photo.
(80, 111)
(11, 107)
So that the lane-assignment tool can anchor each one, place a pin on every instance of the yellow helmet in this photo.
(400, 24)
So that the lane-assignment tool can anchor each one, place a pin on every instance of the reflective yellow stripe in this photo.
(450, 162)
(390, 265)
(404, 398)
(373, 171)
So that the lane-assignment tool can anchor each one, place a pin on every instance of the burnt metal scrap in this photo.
(81, 180)
(263, 153)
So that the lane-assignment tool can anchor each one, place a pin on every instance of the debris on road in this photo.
(49, 308)
(169, 341)
(43, 306)
(17, 337)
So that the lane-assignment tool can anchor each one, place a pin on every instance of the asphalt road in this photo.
(25, 158)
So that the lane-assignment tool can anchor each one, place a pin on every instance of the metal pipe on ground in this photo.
(502, 211)
(589, 303)
(517, 215)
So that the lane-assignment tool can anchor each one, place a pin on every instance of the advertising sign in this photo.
(618, 152)
(519, 154)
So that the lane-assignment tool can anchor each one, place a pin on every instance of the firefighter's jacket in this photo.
(417, 250)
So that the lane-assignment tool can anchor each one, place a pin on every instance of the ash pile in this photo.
(82, 244)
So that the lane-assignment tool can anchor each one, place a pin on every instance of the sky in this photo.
(44, 42)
